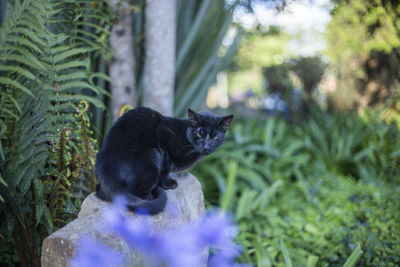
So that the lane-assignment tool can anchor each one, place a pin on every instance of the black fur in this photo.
(143, 147)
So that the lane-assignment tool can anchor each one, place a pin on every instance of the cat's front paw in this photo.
(169, 184)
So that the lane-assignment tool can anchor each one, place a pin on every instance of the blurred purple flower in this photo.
(137, 233)
(180, 247)
(218, 232)
(90, 253)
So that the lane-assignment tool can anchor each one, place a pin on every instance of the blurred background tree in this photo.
(310, 71)
(363, 43)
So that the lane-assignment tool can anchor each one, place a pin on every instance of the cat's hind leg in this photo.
(147, 170)
(165, 181)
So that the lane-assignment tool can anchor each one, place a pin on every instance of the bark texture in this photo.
(122, 67)
(159, 70)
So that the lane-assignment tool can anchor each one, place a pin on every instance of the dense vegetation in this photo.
(363, 45)
(307, 192)
(46, 145)
(322, 185)
(52, 74)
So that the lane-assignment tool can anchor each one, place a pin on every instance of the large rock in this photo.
(185, 204)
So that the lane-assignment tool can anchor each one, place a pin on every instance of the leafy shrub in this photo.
(46, 140)
(310, 71)
(323, 185)
(278, 79)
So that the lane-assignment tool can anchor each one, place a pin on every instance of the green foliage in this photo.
(262, 49)
(44, 73)
(258, 50)
(278, 79)
(359, 27)
(201, 54)
(309, 194)
(309, 70)
(363, 43)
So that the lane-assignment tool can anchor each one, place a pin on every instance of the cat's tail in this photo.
(138, 205)
(148, 206)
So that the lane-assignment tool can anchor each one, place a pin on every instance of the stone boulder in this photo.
(185, 204)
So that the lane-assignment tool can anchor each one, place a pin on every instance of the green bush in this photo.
(316, 189)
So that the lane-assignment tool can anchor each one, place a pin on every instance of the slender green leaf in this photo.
(312, 261)
(355, 255)
(285, 253)
(227, 197)
(8, 81)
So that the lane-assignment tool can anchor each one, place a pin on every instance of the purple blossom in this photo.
(182, 246)
(90, 253)
(138, 233)
(218, 232)
(179, 247)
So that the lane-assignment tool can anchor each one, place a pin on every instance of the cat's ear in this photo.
(225, 122)
(193, 119)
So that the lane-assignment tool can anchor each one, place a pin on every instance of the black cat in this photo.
(143, 147)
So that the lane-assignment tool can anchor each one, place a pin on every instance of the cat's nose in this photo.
(206, 146)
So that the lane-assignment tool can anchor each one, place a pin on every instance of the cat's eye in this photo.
(215, 137)
(199, 135)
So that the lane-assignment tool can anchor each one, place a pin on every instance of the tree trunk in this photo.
(122, 67)
(159, 69)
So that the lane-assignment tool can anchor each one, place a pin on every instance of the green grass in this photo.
(319, 191)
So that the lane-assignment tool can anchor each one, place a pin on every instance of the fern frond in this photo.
(17, 69)
(11, 82)
(11, 58)
(71, 76)
(25, 42)
(30, 34)
(32, 59)
(10, 113)
(44, 73)
(94, 26)
(70, 65)
(69, 53)
(78, 84)
(69, 97)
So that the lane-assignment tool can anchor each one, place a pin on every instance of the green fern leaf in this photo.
(24, 72)
(78, 85)
(94, 26)
(39, 187)
(70, 53)
(14, 101)
(10, 113)
(48, 220)
(8, 81)
(69, 65)
(28, 34)
(95, 101)
(27, 181)
(40, 208)
(71, 76)
(101, 76)
(87, 33)
(33, 60)
(23, 60)
(24, 41)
